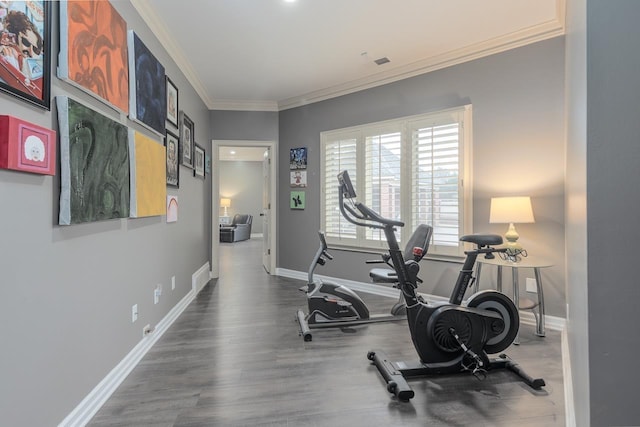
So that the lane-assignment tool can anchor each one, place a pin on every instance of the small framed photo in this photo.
(298, 158)
(172, 102)
(27, 147)
(172, 208)
(298, 178)
(172, 142)
(186, 140)
(198, 161)
(297, 200)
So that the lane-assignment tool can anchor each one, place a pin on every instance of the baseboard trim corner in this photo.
(201, 277)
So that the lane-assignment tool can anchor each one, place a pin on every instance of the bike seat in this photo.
(383, 275)
(483, 239)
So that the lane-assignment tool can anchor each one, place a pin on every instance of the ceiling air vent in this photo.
(381, 61)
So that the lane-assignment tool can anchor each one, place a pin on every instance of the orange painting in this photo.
(93, 46)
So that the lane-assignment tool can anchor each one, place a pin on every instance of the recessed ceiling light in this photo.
(290, 1)
(232, 152)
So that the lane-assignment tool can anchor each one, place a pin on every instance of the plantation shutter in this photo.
(339, 155)
(435, 177)
(382, 178)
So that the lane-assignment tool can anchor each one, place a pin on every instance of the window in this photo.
(416, 169)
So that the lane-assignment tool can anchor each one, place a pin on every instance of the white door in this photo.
(266, 210)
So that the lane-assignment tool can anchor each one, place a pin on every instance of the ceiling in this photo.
(272, 55)
(247, 154)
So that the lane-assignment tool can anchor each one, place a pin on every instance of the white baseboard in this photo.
(201, 277)
(526, 317)
(90, 405)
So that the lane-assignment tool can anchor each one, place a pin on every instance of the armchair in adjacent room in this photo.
(239, 229)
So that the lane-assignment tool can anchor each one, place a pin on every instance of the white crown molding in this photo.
(524, 37)
(236, 105)
(146, 11)
(536, 33)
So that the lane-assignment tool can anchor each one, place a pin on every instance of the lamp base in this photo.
(515, 251)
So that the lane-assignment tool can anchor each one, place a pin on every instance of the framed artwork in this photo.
(186, 140)
(148, 176)
(93, 51)
(207, 163)
(27, 147)
(298, 158)
(172, 142)
(25, 51)
(147, 86)
(297, 200)
(94, 165)
(198, 159)
(298, 178)
(172, 102)
(172, 208)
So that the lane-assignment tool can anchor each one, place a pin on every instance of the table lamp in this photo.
(511, 210)
(225, 203)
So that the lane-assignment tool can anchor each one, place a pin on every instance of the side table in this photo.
(537, 307)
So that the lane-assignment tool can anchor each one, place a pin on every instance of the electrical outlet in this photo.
(531, 285)
(134, 313)
(173, 283)
(146, 330)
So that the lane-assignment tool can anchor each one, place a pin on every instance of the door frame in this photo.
(215, 198)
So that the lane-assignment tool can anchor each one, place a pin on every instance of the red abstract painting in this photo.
(94, 55)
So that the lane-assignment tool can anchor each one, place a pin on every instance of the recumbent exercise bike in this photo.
(449, 337)
(333, 305)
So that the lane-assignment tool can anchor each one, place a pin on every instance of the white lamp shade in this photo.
(225, 203)
(505, 210)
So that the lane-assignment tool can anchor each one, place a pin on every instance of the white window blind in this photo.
(338, 155)
(382, 178)
(435, 178)
(414, 170)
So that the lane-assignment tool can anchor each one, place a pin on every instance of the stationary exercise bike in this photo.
(448, 336)
(332, 305)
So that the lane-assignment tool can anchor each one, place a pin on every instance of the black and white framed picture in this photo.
(198, 161)
(186, 140)
(172, 142)
(172, 102)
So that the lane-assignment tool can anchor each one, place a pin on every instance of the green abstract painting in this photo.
(94, 158)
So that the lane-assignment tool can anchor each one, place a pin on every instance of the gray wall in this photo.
(244, 125)
(609, 137)
(242, 182)
(67, 291)
(518, 148)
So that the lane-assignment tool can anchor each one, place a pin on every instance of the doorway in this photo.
(269, 209)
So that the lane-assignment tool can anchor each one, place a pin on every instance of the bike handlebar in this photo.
(365, 213)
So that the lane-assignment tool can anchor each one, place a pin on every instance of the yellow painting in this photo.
(148, 176)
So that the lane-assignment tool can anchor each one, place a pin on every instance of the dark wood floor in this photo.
(234, 358)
